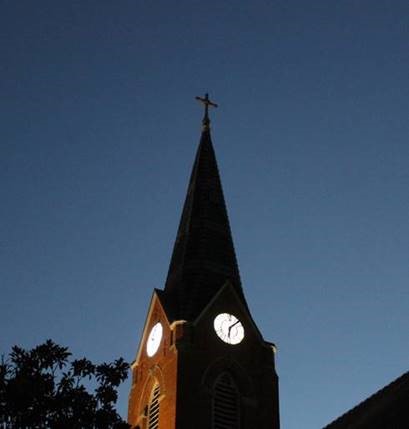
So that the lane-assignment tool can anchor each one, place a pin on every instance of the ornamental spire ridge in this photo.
(206, 102)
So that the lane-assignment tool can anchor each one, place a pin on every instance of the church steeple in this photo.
(203, 257)
(202, 362)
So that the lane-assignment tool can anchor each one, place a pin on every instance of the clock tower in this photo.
(202, 362)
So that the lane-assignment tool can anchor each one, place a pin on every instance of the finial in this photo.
(206, 102)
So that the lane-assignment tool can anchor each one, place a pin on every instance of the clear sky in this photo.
(99, 128)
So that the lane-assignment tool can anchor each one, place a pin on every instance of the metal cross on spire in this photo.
(206, 102)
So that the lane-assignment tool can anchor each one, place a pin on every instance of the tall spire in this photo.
(203, 258)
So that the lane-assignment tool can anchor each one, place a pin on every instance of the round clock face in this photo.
(154, 339)
(228, 328)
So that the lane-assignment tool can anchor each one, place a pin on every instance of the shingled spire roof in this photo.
(203, 258)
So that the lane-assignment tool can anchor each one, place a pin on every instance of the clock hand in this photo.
(234, 324)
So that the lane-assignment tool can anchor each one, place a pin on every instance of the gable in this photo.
(156, 313)
(226, 300)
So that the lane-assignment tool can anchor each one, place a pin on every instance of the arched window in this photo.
(226, 403)
(153, 409)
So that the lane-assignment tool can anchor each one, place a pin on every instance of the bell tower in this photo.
(202, 362)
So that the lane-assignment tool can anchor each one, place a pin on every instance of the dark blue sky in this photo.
(99, 127)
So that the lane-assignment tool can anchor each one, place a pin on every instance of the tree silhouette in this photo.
(42, 388)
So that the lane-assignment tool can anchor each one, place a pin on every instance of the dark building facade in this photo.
(202, 362)
(386, 409)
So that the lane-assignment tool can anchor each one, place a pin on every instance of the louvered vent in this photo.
(226, 408)
(153, 412)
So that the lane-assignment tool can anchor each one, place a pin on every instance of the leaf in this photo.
(42, 388)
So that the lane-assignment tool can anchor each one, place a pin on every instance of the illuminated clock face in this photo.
(228, 328)
(154, 339)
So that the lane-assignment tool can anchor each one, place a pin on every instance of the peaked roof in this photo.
(203, 256)
(387, 408)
